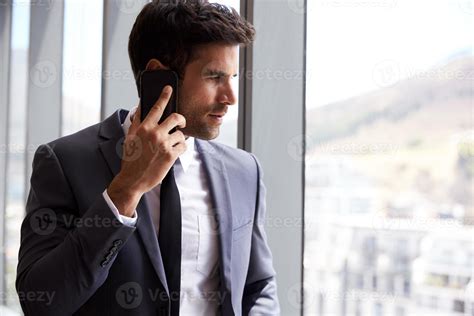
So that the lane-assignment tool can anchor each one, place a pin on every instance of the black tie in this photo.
(169, 237)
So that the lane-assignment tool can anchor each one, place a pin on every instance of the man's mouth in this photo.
(217, 117)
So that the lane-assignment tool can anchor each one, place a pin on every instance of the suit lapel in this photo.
(220, 193)
(111, 149)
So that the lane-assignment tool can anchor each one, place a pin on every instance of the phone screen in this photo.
(151, 85)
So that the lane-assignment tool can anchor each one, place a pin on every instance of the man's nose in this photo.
(227, 95)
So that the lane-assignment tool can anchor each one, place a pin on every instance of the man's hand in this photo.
(149, 151)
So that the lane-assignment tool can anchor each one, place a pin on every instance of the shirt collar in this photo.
(185, 159)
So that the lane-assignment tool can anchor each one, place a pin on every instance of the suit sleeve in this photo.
(260, 291)
(65, 256)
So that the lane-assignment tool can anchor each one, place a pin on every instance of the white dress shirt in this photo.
(199, 247)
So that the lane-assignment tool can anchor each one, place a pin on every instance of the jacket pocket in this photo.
(242, 231)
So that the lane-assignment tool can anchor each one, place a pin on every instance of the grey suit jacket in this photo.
(81, 260)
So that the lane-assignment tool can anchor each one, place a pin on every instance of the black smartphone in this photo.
(152, 83)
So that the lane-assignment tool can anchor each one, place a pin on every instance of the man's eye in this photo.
(215, 78)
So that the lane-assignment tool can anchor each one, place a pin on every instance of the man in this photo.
(167, 223)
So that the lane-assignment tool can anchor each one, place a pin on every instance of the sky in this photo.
(356, 46)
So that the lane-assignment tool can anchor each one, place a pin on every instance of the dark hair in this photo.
(170, 30)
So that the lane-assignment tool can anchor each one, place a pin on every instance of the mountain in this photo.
(435, 102)
(414, 138)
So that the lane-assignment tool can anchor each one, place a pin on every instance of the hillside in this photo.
(410, 138)
(416, 107)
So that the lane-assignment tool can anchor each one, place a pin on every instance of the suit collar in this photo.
(110, 127)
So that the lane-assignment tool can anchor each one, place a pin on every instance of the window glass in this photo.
(389, 156)
(82, 64)
(228, 131)
(15, 176)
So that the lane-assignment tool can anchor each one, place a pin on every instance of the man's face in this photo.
(205, 92)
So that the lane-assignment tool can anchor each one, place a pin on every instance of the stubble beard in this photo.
(196, 125)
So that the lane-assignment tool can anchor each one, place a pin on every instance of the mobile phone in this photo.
(152, 83)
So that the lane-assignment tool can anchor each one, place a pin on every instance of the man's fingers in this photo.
(180, 148)
(177, 137)
(158, 108)
(172, 121)
(136, 119)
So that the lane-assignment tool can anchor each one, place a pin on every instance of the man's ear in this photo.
(155, 64)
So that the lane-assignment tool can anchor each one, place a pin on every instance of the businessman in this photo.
(132, 217)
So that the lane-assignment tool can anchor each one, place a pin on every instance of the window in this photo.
(15, 174)
(357, 308)
(82, 65)
(228, 131)
(399, 311)
(390, 135)
(378, 309)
